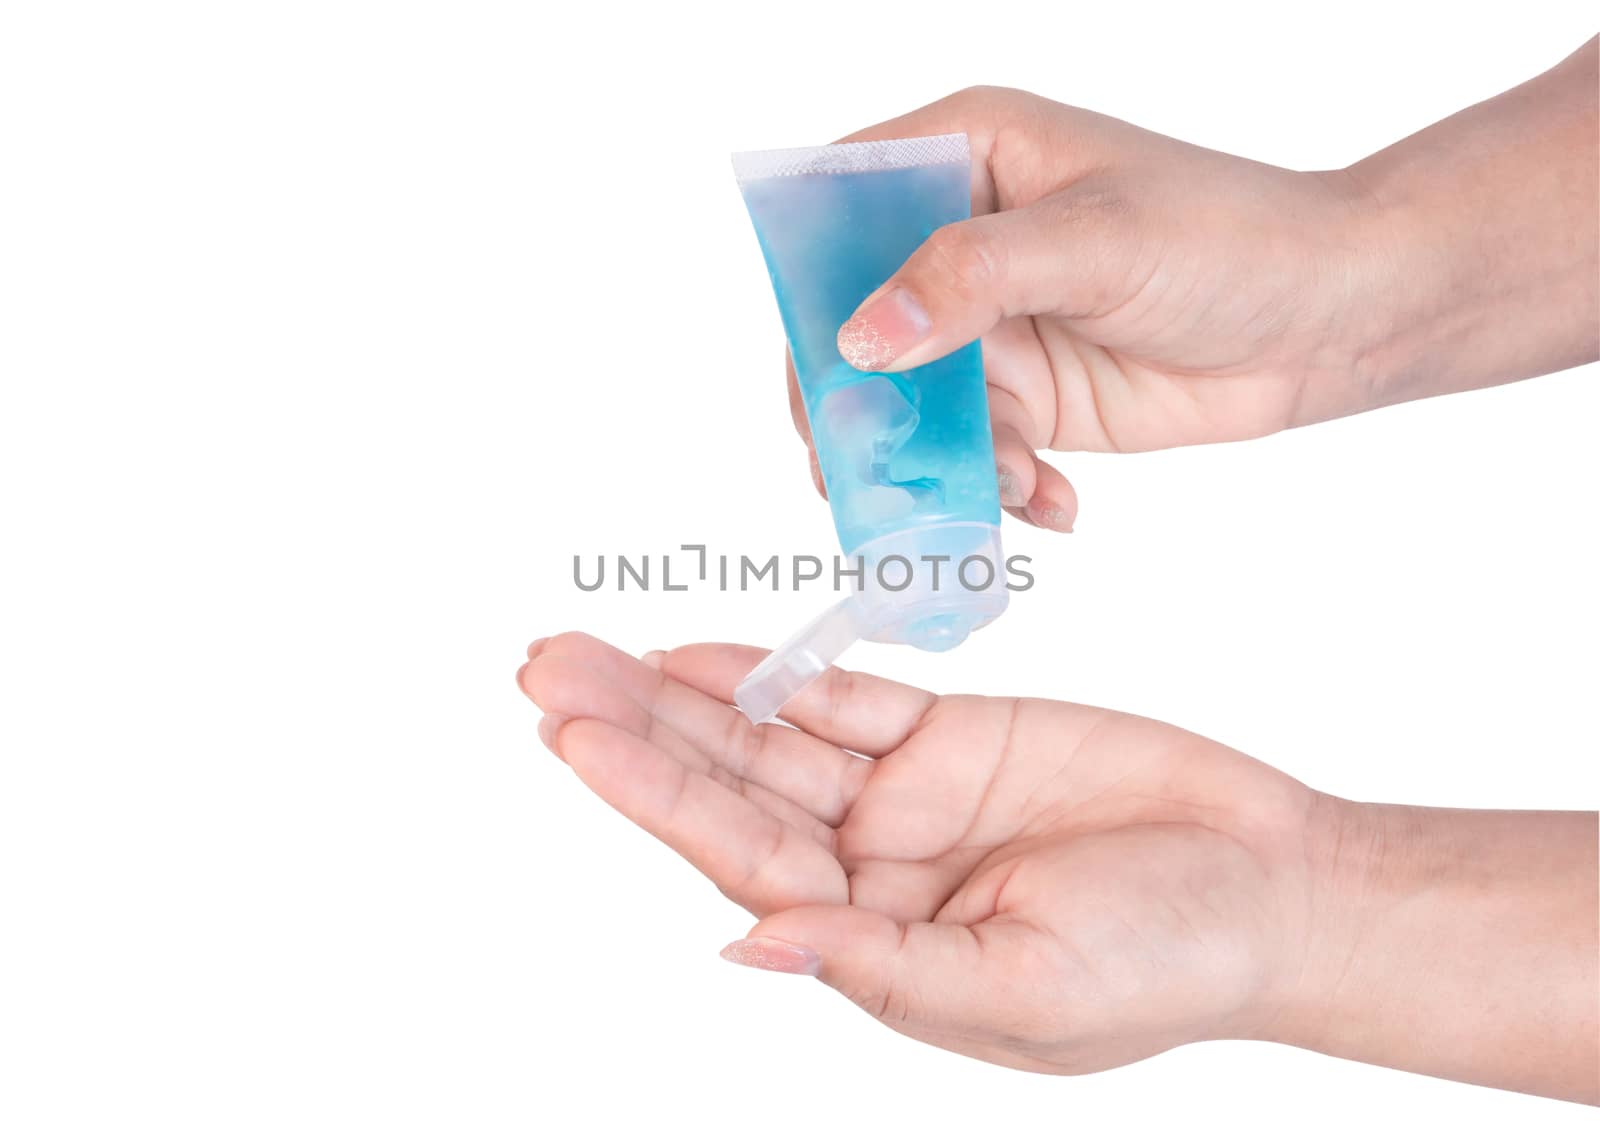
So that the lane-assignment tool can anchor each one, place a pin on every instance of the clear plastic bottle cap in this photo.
(929, 587)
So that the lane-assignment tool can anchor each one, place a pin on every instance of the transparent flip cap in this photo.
(928, 587)
(799, 660)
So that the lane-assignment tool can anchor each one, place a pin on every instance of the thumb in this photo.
(913, 973)
(1052, 256)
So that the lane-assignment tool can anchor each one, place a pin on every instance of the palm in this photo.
(1098, 860)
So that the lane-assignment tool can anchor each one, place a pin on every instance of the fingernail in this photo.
(773, 954)
(883, 330)
(1054, 517)
(549, 726)
(653, 658)
(1010, 487)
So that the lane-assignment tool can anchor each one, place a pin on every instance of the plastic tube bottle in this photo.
(908, 458)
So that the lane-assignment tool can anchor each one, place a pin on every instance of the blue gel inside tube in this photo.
(896, 450)
(907, 458)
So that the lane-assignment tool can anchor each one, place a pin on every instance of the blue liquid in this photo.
(897, 451)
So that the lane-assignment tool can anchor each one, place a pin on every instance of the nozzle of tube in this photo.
(929, 587)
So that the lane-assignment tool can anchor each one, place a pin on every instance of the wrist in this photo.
(1417, 302)
(1473, 251)
(1335, 855)
(1458, 943)
(1387, 289)
(1346, 848)
(1360, 299)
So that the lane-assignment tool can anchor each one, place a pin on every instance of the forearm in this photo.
(1485, 226)
(1462, 944)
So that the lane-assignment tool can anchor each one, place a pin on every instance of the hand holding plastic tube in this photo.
(1065, 889)
(1134, 292)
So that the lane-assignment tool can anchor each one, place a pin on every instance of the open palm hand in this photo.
(1035, 883)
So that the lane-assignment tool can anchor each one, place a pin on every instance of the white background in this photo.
(330, 331)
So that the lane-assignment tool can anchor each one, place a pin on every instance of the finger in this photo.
(860, 712)
(797, 406)
(1013, 451)
(1065, 254)
(1054, 504)
(932, 976)
(617, 667)
(565, 688)
(980, 113)
(817, 777)
(1031, 489)
(802, 425)
(756, 860)
(1013, 469)
(816, 474)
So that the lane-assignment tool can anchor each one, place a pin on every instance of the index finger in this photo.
(978, 113)
(802, 424)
